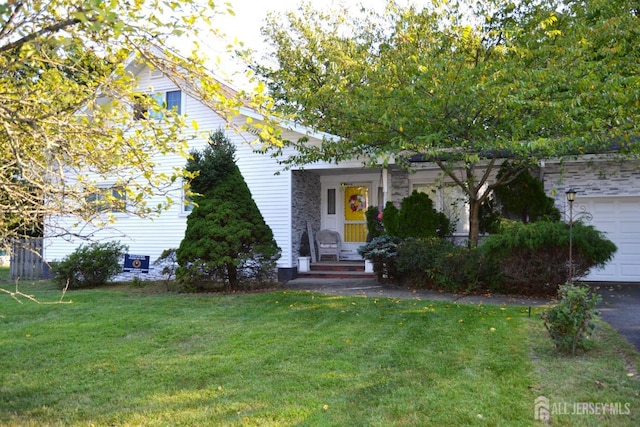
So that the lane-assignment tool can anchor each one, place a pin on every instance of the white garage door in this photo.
(619, 219)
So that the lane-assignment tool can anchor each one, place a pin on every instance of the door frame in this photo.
(335, 221)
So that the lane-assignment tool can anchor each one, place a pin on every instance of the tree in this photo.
(226, 238)
(462, 84)
(67, 97)
(523, 199)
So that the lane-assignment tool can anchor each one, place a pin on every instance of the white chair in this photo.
(329, 243)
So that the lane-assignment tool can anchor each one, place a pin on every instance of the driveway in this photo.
(620, 307)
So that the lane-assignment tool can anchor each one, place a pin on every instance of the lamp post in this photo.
(571, 197)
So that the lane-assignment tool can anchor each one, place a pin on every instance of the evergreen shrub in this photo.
(439, 264)
(227, 243)
(382, 251)
(417, 217)
(375, 228)
(533, 258)
(90, 265)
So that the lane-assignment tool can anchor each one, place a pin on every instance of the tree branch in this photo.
(52, 29)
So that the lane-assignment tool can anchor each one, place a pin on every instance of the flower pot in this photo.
(368, 266)
(303, 264)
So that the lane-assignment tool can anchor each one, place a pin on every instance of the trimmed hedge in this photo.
(533, 258)
(439, 264)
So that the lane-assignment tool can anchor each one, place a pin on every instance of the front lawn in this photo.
(121, 356)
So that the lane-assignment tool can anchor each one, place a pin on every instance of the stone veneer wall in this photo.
(592, 178)
(399, 185)
(306, 205)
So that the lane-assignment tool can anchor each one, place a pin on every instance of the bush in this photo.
(523, 199)
(374, 223)
(416, 217)
(390, 219)
(168, 260)
(533, 257)
(439, 264)
(90, 265)
(382, 251)
(571, 320)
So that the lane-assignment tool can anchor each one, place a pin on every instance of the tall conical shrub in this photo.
(227, 239)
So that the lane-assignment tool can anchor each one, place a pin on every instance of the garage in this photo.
(619, 219)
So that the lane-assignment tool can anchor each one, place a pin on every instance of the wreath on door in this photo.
(357, 203)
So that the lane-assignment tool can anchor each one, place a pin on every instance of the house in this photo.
(608, 189)
(335, 196)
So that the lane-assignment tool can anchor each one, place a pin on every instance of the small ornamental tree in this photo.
(571, 320)
(227, 239)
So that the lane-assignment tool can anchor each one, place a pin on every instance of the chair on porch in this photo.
(329, 244)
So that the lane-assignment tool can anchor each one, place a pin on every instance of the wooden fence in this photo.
(26, 259)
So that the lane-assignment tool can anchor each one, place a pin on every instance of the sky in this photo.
(250, 15)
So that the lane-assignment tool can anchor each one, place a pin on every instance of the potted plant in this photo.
(304, 253)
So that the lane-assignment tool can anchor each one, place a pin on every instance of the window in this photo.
(450, 200)
(171, 100)
(112, 199)
(140, 107)
(331, 201)
(186, 202)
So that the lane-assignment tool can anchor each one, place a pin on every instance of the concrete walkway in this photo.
(620, 306)
(371, 287)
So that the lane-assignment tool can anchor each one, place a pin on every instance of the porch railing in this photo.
(355, 232)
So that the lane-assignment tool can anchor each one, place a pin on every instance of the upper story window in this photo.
(170, 100)
(112, 199)
(173, 100)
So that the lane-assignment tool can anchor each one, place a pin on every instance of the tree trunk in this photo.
(474, 222)
(232, 273)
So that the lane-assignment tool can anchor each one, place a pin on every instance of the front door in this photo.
(354, 233)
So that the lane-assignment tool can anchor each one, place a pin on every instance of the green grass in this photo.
(130, 357)
(4, 273)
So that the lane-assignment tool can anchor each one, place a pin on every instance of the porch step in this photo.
(337, 270)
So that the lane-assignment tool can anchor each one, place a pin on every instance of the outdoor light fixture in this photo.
(571, 197)
(579, 215)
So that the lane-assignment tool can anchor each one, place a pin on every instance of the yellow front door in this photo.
(356, 202)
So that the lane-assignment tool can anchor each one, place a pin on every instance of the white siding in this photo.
(151, 236)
